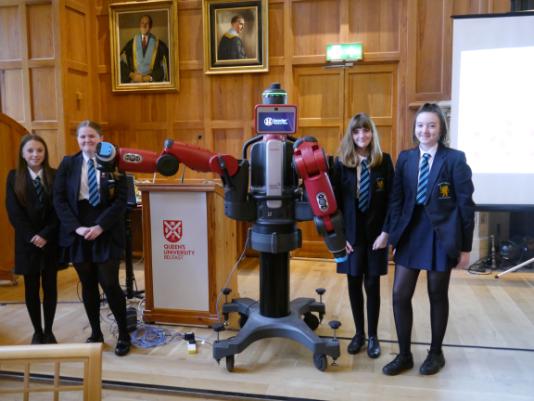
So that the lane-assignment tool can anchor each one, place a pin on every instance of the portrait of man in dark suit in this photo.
(145, 57)
(231, 46)
(235, 36)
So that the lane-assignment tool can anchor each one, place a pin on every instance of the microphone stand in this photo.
(128, 262)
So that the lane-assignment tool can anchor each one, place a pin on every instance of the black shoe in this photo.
(49, 338)
(95, 338)
(432, 364)
(356, 344)
(398, 365)
(373, 347)
(37, 338)
(123, 347)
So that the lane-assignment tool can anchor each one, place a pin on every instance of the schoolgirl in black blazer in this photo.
(91, 208)
(363, 178)
(31, 212)
(432, 222)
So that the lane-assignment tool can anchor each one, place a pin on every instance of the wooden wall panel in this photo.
(372, 89)
(75, 42)
(315, 24)
(54, 153)
(430, 46)
(228, 141)
(11, 93)
(189, 105)
(41, 37)
(76, 95)
(190, 36)
(10, 33)
(276, 30)
(227, 97)
(318, 93)
(43, 83)
(103, 53)
(31, 84)
(376, 24)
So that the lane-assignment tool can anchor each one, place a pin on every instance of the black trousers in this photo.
(107, 275)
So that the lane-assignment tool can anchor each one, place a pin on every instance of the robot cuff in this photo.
(341, 259)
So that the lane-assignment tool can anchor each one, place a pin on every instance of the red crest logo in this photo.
(172, 230)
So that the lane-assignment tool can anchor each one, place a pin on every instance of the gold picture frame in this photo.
(144, 46)
(235, 36)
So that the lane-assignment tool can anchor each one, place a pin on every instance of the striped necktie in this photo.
(39, 189)
(422, 185)
(94, 195)
(363, 199)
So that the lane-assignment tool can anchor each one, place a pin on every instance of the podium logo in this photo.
(172, 230)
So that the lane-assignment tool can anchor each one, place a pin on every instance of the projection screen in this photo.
(492, 106)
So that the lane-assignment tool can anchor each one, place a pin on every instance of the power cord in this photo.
(229, 277)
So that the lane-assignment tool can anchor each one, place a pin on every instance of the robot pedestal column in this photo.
(274, 284)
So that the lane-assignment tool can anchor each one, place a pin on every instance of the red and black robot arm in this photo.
(166, 162)
(311, 165)
(233, 172)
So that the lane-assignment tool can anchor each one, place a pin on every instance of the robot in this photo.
(273, 199)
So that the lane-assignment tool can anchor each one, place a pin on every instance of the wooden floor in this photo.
(489, 344)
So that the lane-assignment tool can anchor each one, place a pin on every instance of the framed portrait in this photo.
(144, 45)
(235, 36)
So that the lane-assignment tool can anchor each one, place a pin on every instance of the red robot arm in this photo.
(167, 162)
(310, 163)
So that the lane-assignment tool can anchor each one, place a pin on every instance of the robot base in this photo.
(256, 326)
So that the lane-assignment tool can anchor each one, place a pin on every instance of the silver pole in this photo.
(513, 269)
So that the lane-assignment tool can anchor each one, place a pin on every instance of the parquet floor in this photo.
(489, 344)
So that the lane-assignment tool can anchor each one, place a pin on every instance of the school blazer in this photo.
(381, 183)
(113, 195)
(449, 204)
(34, 218)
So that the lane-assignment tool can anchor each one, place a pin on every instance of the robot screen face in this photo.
(276, 119)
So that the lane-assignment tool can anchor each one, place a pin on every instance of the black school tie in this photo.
(39, 189)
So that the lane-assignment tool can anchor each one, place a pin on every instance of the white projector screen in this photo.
(492, 106)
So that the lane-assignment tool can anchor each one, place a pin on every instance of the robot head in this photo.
(274, 116)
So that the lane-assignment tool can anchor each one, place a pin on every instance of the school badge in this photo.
(444, 190)
(379, 184)
(172, 230)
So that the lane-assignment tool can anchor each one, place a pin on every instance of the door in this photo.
(326, 99)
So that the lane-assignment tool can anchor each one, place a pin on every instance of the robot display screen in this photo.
(276, 119)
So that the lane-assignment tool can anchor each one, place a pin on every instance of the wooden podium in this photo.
(189, 248)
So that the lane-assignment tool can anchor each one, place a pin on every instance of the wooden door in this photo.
(327, 98)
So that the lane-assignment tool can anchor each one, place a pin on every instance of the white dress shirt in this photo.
(84, 185)
(432, 152)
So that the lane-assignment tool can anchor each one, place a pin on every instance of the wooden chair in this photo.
(17, 358)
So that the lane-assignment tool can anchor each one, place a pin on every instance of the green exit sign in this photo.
(344, 52)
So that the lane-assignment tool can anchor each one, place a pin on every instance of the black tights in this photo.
(403, 289)
(107, 275)
(32, 282)
(372, 291)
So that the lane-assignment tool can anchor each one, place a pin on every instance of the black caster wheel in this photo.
(242, 320)
(311, 320)
(230, 362)
(320, 361)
